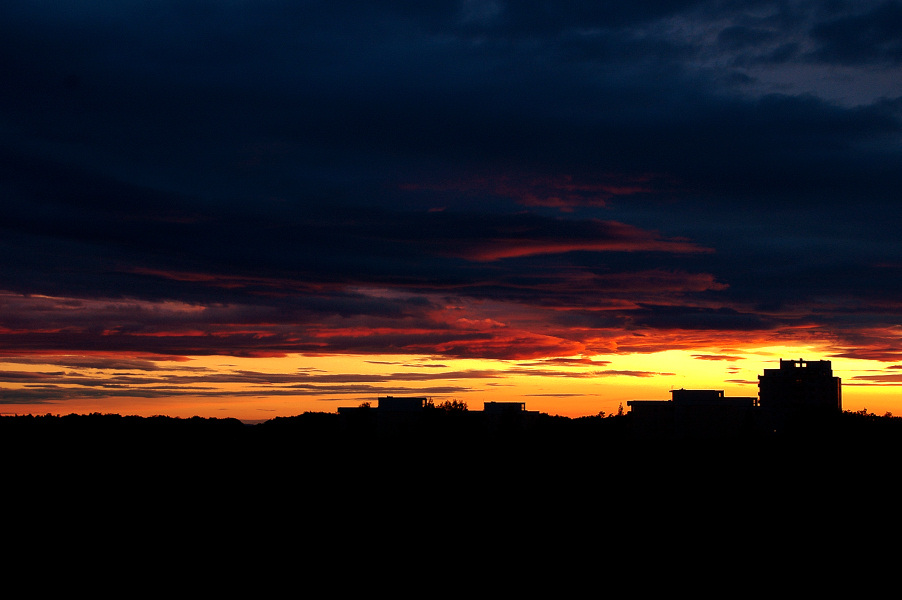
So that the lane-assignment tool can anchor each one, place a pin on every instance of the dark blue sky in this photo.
(576, 177)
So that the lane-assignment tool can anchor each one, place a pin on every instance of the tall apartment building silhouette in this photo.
(799, 389)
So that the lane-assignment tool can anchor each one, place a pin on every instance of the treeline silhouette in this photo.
(321, 434)
(466, 435)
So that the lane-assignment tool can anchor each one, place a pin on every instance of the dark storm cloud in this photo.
(368, 87)
(334, 176)
(681, 317)
(872, 35)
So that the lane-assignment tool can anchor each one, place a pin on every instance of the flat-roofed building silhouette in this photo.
(504, 408)
(507, 415)
(405, 404)
(693, 414)
(400, 414)
(391, 414)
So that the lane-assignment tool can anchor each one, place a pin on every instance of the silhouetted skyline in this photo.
(260, 208)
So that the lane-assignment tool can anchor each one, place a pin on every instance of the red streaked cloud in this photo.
(598, 236)
(885, 379)
(251, 285)
(716, 357)
(559, 323)
(512, 346)
(565, 192)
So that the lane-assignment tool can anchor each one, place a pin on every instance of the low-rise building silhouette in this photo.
(693, 413)
(404, 404)
(504, 408)
(391, 413)
(396, 414)
(507, 415)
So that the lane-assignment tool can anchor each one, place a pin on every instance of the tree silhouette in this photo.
(452, 406)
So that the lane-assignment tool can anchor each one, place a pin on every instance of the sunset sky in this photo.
(237, 208)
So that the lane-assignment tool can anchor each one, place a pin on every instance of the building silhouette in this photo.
(393, 414)
(403, 404)
(507, 415)
(798, 394)
(799, 390)
(693, 414)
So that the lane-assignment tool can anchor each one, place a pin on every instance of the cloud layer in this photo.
(478, 179)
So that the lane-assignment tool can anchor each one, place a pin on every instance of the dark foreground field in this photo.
(566, 500)
(451, 450)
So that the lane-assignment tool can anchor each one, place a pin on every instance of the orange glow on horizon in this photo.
(261, 388)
